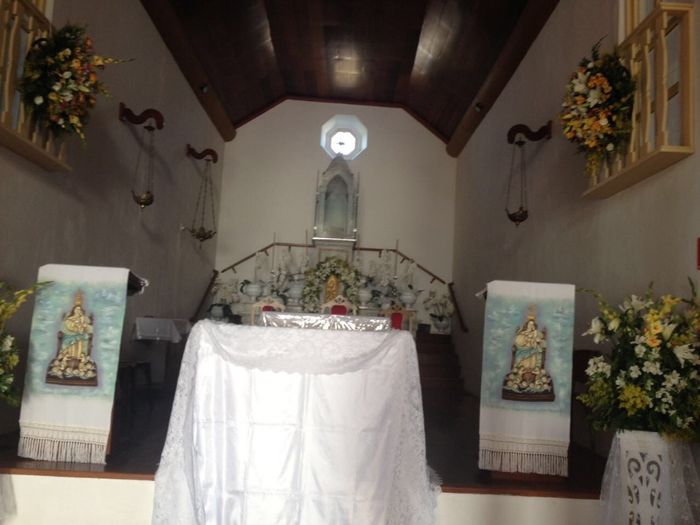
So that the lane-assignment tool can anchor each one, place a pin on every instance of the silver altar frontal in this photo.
(325, 321)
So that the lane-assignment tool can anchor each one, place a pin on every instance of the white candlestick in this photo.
(274, 241)
(396, 258)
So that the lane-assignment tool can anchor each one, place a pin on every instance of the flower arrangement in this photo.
(439, 307)
(10, 302)
(316, 279)
(225, 291)
(59, 85)
(651, 379)
(597, 108)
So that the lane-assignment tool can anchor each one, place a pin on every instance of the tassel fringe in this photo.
(525, 462)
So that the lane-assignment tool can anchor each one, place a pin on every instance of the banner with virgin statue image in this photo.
(526, 378)
(72, 363)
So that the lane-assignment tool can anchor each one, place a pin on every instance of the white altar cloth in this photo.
(289, 426)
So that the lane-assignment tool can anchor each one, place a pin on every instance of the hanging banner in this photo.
(526, 378)
(72, 363)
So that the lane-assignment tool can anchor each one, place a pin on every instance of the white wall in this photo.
(88, 216)
(617, 246)
(78, 501)
(406, 183)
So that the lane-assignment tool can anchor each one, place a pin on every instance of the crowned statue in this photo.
(73, 364)
(528, 379)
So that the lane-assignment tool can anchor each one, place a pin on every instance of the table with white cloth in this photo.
(290, 426)
(324, 321)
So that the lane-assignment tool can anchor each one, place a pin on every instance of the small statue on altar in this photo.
(528, 380)
(331, 291)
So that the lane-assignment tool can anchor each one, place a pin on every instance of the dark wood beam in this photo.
(529, 25)
(173, 34)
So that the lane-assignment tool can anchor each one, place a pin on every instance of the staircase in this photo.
(440, 373)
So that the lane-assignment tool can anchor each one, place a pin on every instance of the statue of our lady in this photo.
(73, 364)
(528, 380)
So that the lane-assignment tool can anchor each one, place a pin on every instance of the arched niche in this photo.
(336, 202)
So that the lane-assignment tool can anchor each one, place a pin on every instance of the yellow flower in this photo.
(73, 119)
(632, 398)
(651, 340)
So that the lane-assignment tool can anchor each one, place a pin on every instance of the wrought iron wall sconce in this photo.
(142, 191)
(205, 196)
(516, 136)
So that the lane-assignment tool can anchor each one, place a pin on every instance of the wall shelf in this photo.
(659, 53)
(41, 156)
(23, 22)
(640, 170)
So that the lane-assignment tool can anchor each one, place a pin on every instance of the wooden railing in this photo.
(22, 22)
(659, 54)
(404, 258)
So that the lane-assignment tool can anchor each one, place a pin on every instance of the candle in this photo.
(274, 251)
(396, 258)
(306, 242)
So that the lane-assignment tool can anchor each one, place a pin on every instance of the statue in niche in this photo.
(336, 203)
(332, 286)
(336, 207)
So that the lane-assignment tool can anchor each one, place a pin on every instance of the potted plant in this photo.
(440, 309)
(10, 302)
(647, 389)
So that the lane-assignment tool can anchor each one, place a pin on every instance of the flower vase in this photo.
(365, 296)
(649, 481)
(252, 290)
(408, 298)
(441, 323)
(295, 292)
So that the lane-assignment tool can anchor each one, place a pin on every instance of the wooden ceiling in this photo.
(430, 57)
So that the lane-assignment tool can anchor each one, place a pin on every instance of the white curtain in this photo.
(290, 426)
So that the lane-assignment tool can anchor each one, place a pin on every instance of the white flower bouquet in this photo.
(651, 378)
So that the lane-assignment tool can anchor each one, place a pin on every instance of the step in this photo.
(427, 348)
(422, 337)
(438, 358)
(439, 371)
(439, 383)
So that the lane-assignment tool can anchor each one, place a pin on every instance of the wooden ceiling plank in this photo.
(528, 26)
(176, 39)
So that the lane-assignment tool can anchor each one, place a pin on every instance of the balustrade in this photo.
(658, 50)
(21, 23)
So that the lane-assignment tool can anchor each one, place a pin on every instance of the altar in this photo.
(286, 425)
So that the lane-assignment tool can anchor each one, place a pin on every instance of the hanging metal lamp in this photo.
(205, 197)
(517, 159)
(518, 176)
(144, 173)
(142, 190)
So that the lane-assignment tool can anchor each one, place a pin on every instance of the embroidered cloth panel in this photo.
(526, 378)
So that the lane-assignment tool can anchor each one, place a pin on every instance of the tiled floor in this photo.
(451, 440)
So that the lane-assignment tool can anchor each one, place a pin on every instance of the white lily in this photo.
(614, 324)
(667, 330)
(594, 97)
(685, 353)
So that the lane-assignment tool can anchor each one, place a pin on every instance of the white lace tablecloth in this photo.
(289, 426)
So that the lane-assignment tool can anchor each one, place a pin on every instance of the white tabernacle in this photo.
(290, 426)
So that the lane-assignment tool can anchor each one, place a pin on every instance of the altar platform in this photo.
(469, 495)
